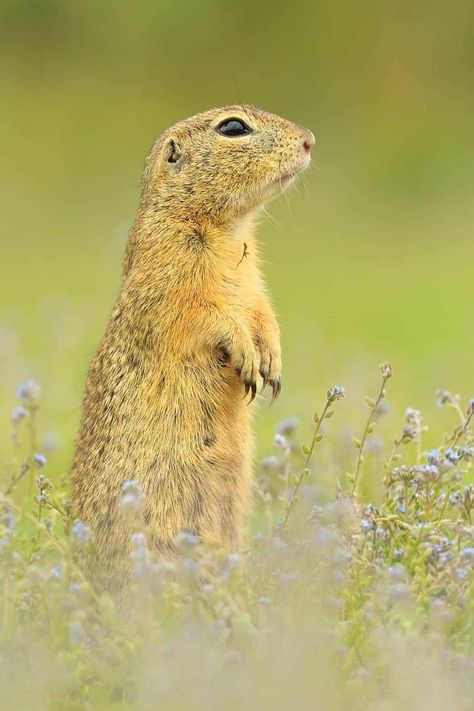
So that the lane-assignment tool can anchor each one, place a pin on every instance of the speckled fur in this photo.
(190, 333)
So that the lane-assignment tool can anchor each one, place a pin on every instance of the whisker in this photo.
(271, 218)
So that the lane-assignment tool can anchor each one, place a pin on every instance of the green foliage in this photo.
(335, 598)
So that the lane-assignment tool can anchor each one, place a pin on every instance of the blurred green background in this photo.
(370, 259)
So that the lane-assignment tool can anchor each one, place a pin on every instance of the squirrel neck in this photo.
(156, 240)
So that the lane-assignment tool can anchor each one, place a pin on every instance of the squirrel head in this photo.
(223, 163)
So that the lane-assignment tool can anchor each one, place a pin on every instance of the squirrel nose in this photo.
(308, 141)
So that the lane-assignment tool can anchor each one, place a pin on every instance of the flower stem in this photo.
(386, 374)
(306, 471)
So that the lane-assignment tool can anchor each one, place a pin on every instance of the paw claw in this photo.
(254, 392)
(250, 386)
(276, 387)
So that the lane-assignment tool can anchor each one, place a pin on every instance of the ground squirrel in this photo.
(191, 335)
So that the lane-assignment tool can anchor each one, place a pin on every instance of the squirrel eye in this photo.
(233, 127)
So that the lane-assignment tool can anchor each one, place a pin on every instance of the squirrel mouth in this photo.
(279, 183)
(283, 180)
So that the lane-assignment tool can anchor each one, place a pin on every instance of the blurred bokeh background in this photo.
(371, 258)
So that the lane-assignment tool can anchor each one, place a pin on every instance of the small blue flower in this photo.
(272, 463)
(433, 456)
(337, 392)
(57, 571)
(130, 503)
(19, 413)
(40, 460)
(452, 455)
(132, 486)
(279, 441)
(288, 426)
(455, 499)
(186, 539)
(234, 560)
(43, 483)
(7, 519)
(5, 541)
(138, 540)
(29, 391)
(207, 590)
(446, 557)
(81, 532)
(132, 498)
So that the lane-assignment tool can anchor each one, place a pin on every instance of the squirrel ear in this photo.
(172, 151)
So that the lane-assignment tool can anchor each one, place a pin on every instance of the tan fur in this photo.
(190, 333)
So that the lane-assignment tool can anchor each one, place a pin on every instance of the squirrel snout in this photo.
(308, 141)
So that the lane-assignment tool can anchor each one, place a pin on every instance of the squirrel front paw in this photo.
(245, 360)
(270, 364)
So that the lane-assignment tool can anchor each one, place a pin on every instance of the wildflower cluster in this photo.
(331, 589)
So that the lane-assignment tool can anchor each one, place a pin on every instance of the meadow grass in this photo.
(343, 596)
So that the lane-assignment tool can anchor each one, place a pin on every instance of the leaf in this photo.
(370, 401)
(305, 449)
(357, 442)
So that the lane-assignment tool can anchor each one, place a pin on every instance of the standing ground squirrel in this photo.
(190, 335)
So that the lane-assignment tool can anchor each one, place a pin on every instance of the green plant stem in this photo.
(32, 424)
(305, 471)
(456, 406)
(14, 481)
(366, 434)
(396, 446)
(418, 441)
(461, 430)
